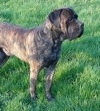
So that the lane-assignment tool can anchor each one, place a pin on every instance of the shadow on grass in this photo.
(3, 1)
(89, 47)
(1, 105)
(7, 15)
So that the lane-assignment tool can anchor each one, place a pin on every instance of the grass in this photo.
(76, 84)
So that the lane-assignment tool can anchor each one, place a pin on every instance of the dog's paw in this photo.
(49, 97)
(34, 98)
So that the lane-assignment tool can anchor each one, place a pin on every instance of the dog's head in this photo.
(66, 21)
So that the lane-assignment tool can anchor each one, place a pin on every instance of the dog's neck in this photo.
(48, 29)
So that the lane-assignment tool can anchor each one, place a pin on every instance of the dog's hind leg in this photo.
(3, 57)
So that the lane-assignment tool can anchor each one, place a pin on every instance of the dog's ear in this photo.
(54, 17)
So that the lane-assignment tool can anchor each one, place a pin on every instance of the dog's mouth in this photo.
(82, 30)
(70, 36)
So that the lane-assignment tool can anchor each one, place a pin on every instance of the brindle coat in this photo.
(40, 47)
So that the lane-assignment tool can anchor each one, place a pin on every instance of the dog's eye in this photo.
(70, 19)
(75, 16)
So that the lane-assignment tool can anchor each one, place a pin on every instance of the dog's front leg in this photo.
(34, 70)
(49, 76)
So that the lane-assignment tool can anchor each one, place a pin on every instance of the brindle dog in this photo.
(40, 47)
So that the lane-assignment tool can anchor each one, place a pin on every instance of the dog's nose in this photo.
(82, 24)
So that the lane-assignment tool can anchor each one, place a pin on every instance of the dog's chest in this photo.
(52, 56)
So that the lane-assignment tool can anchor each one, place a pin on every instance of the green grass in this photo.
(76, 84)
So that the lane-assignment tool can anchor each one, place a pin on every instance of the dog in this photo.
(40, 47)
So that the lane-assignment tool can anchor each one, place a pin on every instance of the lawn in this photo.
(76, 84)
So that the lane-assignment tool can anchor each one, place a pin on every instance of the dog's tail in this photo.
(3, 57)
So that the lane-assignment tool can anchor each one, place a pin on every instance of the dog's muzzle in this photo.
(82, 29)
